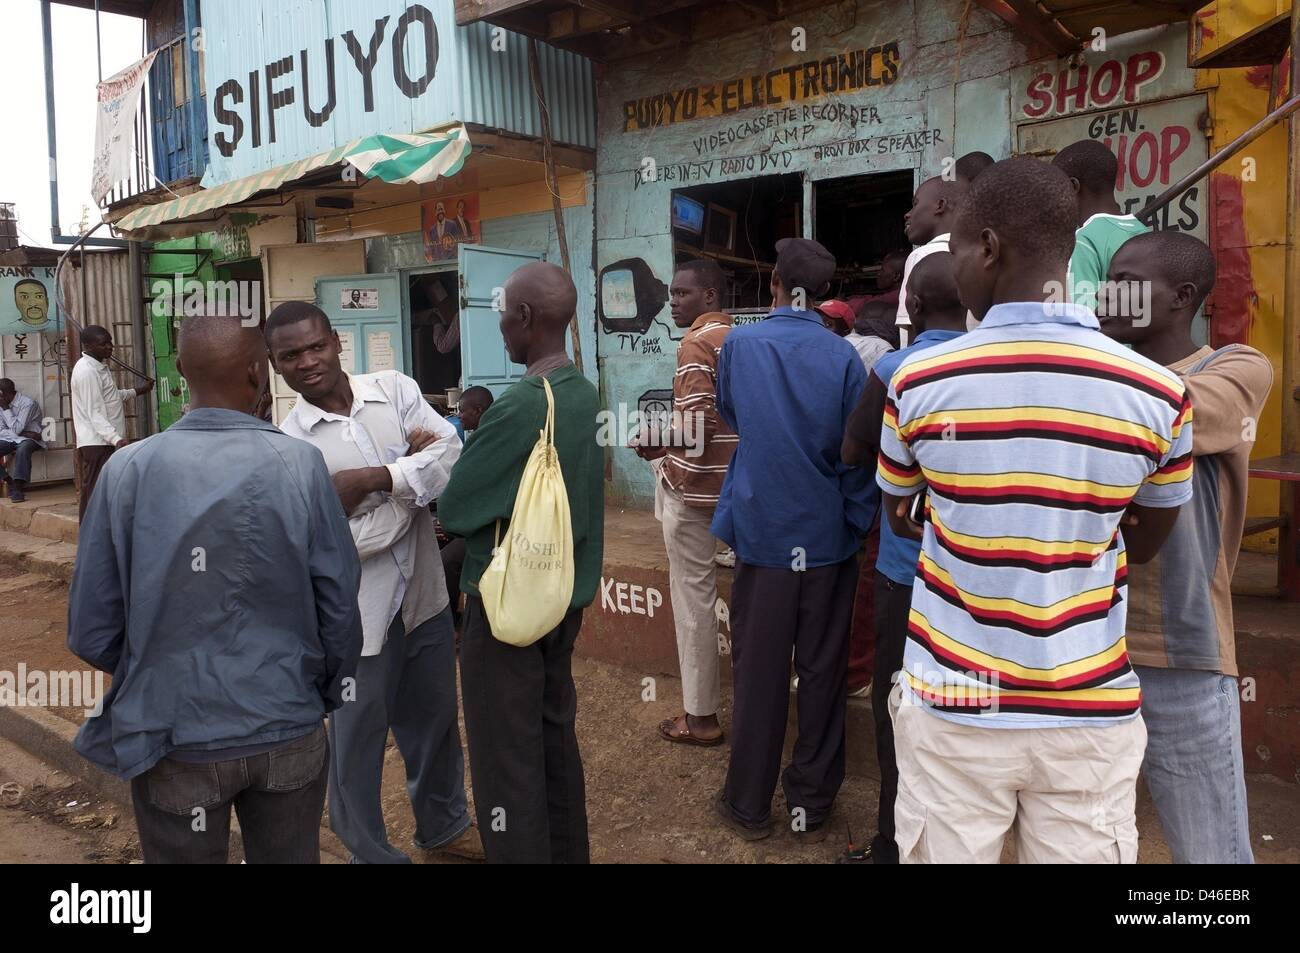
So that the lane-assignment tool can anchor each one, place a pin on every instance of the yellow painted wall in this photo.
(1239, 98)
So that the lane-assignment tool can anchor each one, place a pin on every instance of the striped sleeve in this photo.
(897, 471)
(1170, 484)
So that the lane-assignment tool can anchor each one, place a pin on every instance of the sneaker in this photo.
(726, 559)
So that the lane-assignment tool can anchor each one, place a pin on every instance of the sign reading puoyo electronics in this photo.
(294, 78)
(1138, 98)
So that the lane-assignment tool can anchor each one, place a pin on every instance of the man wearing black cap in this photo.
(795, 515)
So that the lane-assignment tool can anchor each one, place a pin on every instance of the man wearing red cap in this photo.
(839, 317)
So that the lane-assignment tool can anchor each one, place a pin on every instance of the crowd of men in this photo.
(977, 497)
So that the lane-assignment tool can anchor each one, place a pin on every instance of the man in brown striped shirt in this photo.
(694, 452)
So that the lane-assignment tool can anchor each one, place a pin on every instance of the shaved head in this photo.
(540, 301)
(223, 361)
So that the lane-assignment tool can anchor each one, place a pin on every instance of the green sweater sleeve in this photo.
(485, 479)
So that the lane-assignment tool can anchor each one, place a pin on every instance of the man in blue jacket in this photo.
(216, 579)
(796, 515)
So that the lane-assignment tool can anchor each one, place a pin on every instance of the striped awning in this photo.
(391, 158)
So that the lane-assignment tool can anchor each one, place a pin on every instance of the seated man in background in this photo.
(1180, 631)
(20, 434)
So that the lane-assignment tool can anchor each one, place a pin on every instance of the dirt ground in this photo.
(648, 801)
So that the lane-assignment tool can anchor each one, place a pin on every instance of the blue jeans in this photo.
(22, 451)
(1194, 765)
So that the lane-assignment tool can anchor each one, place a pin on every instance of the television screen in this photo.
(688, 214)
(618, 294)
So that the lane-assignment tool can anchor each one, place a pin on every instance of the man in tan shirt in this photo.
(1180, 632)
(695, 451)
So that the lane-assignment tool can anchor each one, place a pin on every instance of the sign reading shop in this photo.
(271, 103)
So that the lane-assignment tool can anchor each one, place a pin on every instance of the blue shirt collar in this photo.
(936, 336)
(217, 418)
(812, 316)
(1039, 312)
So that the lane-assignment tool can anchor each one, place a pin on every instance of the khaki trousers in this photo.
(1068, 792)
(692, 581)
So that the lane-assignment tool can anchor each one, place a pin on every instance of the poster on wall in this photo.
(359, 299)
(448, 222)
(27, 302)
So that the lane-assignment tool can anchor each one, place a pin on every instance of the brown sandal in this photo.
(682, 736)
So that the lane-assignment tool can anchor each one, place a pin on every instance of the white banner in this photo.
(119, 98)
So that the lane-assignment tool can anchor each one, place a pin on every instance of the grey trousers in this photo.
(409, 686)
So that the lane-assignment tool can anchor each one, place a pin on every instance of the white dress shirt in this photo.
(401, 567)
(23, 414)
(98, 416)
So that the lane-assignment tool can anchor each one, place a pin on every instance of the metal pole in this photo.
(51, 139)
(553, 182)
(99, 53)
(1288, 562)
(1227, 152)
(140, 331)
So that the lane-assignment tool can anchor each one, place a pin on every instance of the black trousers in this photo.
(775, 612)
(893, 603)
(182, 809)
(520, 715)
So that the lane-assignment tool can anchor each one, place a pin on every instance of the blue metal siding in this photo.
(472, 82)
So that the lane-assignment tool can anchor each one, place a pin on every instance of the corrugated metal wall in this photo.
(106, 301)
(496, 89)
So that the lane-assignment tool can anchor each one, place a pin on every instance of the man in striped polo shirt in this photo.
(695, 452)
(1035, 437)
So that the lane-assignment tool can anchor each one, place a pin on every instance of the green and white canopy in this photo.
(399, 159)
(396, 159)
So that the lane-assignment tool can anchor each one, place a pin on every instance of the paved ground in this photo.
(648, 800)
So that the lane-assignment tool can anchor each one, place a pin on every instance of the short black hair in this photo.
(291, 312)
(95, 334)
(1091, 163)
(477, 395)
(708, 273)
(934, 281)
(1180, 257)
(972, 164)
(1029, 205)
(7, 386)
(30, 281)
(898, 254)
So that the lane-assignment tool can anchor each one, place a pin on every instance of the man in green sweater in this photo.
(520, 703)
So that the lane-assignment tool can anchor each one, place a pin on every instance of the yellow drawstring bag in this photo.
(527, 587)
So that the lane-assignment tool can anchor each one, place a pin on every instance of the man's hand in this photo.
(896, 508)
(121, 443)
(420, 440)
(644, 448)
(147, 386)
(353, 486)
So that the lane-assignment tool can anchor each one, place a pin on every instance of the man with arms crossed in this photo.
(390, 455)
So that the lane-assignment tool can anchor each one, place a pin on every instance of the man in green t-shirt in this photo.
(1093, 171)
(520, 703)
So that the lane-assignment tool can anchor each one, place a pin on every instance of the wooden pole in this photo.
(1288, 562)
(553, 182)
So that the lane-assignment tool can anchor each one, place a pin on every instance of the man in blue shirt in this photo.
(938, 315)
(226, 612)
(795, 515)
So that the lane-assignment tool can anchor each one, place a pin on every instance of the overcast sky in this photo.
(24, 177)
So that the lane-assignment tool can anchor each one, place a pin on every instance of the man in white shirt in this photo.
(20, 435)
(390, 454)
(98, 415)
(934, 206)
